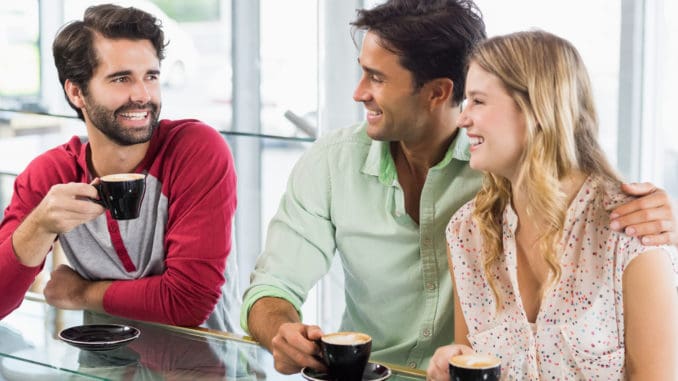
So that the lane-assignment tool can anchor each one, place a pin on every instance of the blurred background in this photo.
(273, 75)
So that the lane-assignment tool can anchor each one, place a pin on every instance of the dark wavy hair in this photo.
(73, 48)
(433, 38)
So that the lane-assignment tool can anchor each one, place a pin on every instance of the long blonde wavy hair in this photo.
(547, 79)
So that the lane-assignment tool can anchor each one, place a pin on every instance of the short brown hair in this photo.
(74, 54)
(433, 38)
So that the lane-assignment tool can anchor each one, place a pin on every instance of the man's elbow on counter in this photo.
(193, 312)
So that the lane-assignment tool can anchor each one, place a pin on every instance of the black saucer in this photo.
(373, 372)
(99, 337)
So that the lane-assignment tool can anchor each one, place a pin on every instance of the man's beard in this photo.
(105, 121)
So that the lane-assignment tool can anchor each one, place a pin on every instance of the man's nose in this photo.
(360, 94)
(140, 93)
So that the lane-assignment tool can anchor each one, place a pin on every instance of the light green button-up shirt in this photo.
(343, 198)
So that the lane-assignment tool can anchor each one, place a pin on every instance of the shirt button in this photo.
(412, 364)
(426, 242)
(430, 286)
(427, 332)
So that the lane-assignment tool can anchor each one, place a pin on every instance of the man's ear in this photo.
(74, 94)
(440, 91)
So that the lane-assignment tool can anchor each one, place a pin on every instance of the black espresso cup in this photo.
(475, 367)
(346, 354)
(122, 194)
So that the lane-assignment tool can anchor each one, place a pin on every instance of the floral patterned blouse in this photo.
(579, 330)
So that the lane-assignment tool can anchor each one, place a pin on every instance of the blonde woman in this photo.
(540, 280)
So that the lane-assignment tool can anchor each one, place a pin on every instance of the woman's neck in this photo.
(569, 185)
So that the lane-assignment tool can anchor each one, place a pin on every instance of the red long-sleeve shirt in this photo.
(168, 264)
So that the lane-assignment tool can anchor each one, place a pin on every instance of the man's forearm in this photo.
(94, 295)
(66, 289)
(31, 243)
(266, 316)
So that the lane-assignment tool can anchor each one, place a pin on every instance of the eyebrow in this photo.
(128, 72)
(370, 70)
(475, 92)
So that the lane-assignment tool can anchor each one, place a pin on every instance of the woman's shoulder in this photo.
(621, 247)
(463, 216)
(462, 233)
(609, 193)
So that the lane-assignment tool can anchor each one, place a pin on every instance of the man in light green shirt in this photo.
(379, 195)
(398, 286)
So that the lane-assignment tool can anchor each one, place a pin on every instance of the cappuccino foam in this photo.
(475, 361)
(346, 338)
(118, 177)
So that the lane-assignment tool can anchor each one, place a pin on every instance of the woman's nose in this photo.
(463, 121)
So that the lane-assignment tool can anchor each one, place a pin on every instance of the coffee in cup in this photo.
(346, 354)
(122, 194)
(474, 367)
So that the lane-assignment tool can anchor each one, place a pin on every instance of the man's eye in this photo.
(120, 79)
(375, 78)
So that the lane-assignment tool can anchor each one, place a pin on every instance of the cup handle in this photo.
(99, 201)
(319, 356)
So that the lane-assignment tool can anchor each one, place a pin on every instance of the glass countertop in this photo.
(31, 350)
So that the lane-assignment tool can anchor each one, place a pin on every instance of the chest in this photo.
(590, 283)
(123, 249)
(533, 272)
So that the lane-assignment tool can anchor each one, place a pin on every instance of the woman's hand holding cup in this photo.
(438, 368)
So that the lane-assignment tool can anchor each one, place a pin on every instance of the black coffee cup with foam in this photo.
(346, 354)
(122, 194)
(475, 367)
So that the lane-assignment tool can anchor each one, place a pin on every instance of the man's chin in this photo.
(375, 132)
(134, 138)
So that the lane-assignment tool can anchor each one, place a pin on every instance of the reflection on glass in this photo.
(31, 350)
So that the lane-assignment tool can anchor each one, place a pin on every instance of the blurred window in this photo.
(597, 39)
(6, 182)
(20, 65)
(289, 67)
(667, 98)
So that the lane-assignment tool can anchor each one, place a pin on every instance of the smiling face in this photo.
(123, 97)
(495, 125)
(395, 111)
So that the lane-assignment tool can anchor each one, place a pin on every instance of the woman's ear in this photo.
(74, 94)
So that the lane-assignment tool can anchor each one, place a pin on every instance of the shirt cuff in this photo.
(264, 291)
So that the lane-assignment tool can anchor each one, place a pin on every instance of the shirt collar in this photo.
(379, 161)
